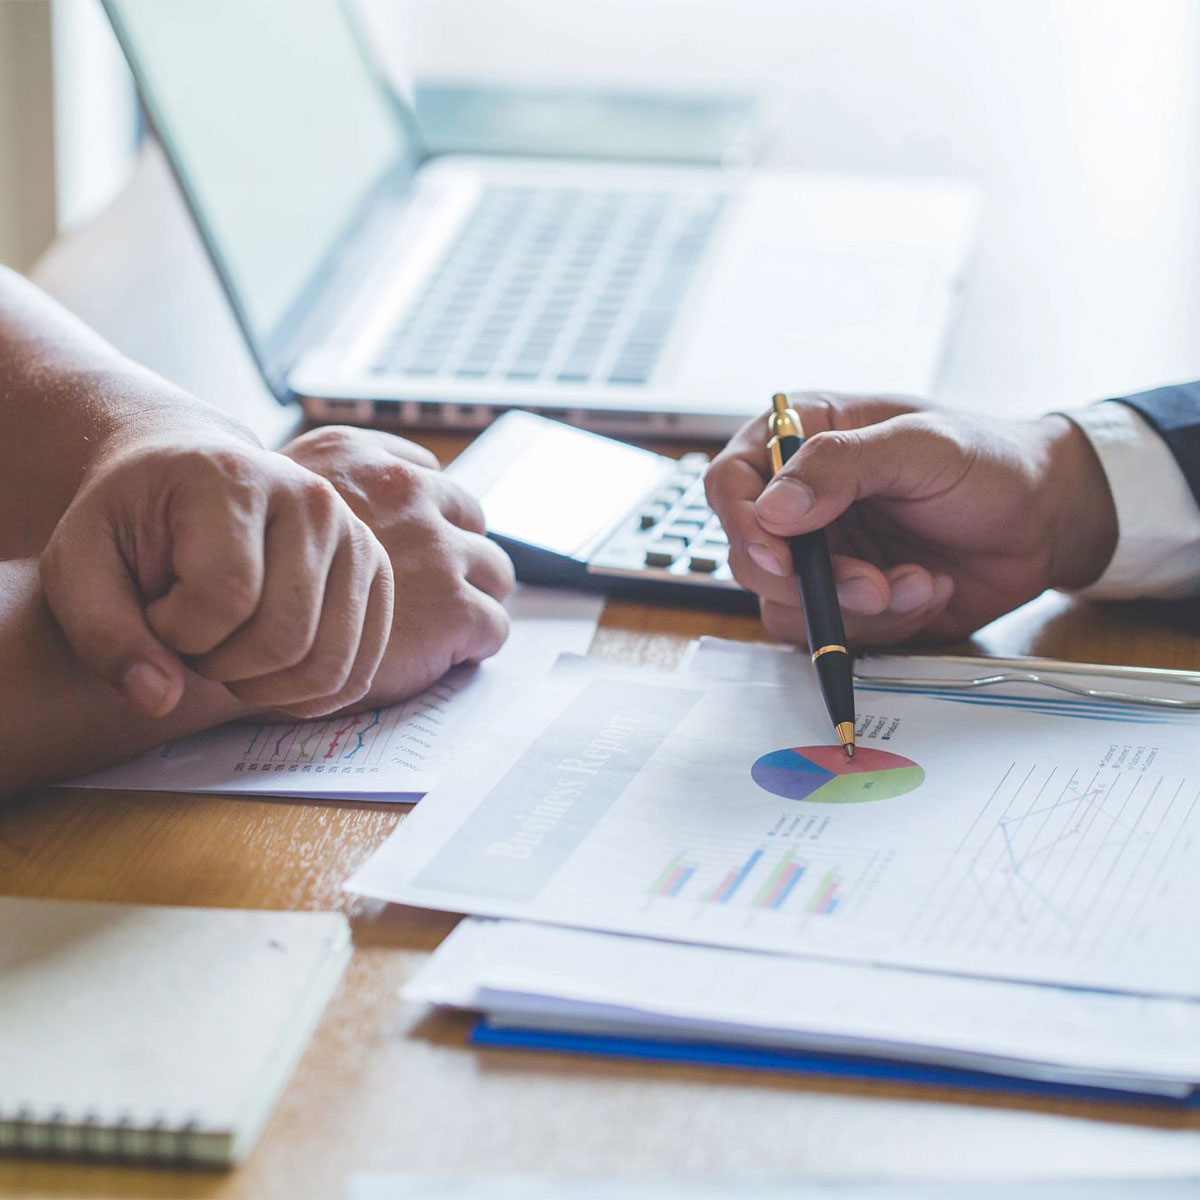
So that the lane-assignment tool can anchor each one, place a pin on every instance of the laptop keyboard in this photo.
(556, 285)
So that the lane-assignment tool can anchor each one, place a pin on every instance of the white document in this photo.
(966, 837)
(582, 981)
(1137, 1147)
(394, 753)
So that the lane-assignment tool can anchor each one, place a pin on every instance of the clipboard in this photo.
(1139, 687)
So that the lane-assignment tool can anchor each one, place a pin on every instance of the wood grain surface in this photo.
(384, 1087)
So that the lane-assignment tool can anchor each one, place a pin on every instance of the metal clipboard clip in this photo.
(995, 672)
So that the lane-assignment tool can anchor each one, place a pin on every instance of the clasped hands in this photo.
(342, 571)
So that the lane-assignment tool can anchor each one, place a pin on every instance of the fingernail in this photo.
(147, 687)
(911, 592)
(784, 500)
(762, 557)
(860, 596)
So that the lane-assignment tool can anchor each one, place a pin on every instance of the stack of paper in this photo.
(997, 884)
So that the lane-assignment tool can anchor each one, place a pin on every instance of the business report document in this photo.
(1055, 845)
(387, 753)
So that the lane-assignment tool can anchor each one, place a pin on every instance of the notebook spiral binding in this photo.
(54, 1135)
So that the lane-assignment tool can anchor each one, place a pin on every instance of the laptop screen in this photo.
(278, 128)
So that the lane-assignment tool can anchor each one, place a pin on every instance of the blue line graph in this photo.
(1058, 860)
(360, 735)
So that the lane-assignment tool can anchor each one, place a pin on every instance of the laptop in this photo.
(378, 284)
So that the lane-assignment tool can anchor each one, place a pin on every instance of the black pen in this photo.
(818, 591)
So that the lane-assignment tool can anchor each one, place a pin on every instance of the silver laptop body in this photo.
(378, 285)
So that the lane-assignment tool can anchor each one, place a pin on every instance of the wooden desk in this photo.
(382, 1089)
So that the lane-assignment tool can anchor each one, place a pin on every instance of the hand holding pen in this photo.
(818, 591)
(916, 544)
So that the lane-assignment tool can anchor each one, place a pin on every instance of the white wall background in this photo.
(26, 132)
(1080, 118)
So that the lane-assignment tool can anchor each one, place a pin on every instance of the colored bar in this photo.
(768, 888)
(724, 885)
(828, 901)
(732, 882)
(785, 886)
(670, 882)
(668, 872)
(825, 889)
(677, 885)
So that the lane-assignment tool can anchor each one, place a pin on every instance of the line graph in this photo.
(359, 743)
(1058, 862)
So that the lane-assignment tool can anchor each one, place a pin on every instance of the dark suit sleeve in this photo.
(1174, 414)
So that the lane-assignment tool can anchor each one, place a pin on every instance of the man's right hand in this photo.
(345, 570)
(939, 522)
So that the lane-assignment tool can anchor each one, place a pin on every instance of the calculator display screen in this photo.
(565, 489)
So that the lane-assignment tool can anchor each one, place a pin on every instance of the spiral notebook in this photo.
(161, 1034)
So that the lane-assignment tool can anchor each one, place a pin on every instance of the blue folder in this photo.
(806, 1062)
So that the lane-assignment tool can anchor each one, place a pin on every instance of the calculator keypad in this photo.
(673, 535)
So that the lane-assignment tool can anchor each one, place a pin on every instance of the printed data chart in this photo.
(363, 744)
(826, 775)
(776, 878)
(1065, 863)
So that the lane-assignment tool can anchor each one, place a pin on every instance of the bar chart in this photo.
(767, 880)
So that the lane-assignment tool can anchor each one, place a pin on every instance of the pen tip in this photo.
(845, 732)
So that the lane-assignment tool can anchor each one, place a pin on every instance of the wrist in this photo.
(1082, 516)
(139, 408)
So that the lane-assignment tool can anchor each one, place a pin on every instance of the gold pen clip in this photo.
(782, 421)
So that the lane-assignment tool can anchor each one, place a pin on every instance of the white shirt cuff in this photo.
(1158, 520)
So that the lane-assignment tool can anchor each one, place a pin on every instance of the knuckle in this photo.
(329, 439)
(411, 451)
(234, 465)
(319, 496)
(826, 446)
(400, 481)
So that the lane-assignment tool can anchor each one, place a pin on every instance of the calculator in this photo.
(580, 510)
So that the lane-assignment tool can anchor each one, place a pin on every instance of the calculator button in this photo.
(685, 530)
(707, 557)
(697, 512)
(661, 556)
(716, 536)
(652, 516)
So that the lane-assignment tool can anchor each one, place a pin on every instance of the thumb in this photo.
(95, 600)
(901, 458)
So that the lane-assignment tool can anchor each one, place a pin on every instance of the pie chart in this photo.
(824, 775)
